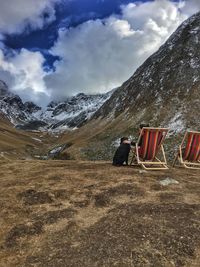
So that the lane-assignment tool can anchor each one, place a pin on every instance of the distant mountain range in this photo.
(57, 116)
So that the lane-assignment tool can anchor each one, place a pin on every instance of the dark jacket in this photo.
(121, 154)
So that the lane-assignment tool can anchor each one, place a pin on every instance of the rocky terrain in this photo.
(74, 111)
(12, 107)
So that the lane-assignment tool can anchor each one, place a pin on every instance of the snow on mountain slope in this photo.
(69, 114)
(75, 111)
(165, 89)
(12, 106)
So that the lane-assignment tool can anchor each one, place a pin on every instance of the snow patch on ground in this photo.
(37, 139)
(56, 150)
(168, 181)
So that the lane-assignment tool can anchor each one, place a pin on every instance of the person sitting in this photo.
(122, 153)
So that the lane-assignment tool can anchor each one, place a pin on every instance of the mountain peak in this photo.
(68, 114)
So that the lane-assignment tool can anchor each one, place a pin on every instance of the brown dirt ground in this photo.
(87, 214)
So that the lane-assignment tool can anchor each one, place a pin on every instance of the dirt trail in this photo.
(68, 213)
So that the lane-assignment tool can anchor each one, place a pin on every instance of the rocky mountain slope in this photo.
(74, 111)
(165, 90)
(13, 108)
(69, 114)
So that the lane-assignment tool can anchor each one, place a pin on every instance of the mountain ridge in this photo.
(173, 69)
(68, 114)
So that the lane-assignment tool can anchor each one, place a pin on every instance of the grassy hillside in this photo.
(97, 140)
(72, 213)
(20, 144)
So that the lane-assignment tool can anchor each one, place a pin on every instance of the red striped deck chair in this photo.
(189, 151)
(151, 140)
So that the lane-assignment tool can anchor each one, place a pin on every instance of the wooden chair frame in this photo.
(156, 163)
(179, 156)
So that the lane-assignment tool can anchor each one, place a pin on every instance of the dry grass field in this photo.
(87, 214)
(18, 144)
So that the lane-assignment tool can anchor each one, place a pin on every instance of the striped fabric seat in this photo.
(149, 144)
(189, 151)
(151, 141)
(192, 149)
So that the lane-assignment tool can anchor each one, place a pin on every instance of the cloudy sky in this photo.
(51, 49)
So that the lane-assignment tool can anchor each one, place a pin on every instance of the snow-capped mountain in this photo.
(13, 108)
(74, 111)
(165, 89)
(68, 114)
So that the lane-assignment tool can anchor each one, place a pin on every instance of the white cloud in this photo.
(190, 7)
(16, 15)
(98, 55)
(24, 75)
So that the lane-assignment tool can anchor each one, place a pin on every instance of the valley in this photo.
(18, 144)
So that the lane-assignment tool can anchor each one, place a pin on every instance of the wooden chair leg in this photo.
(133, 157)
(175, 159)
(132, 160)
